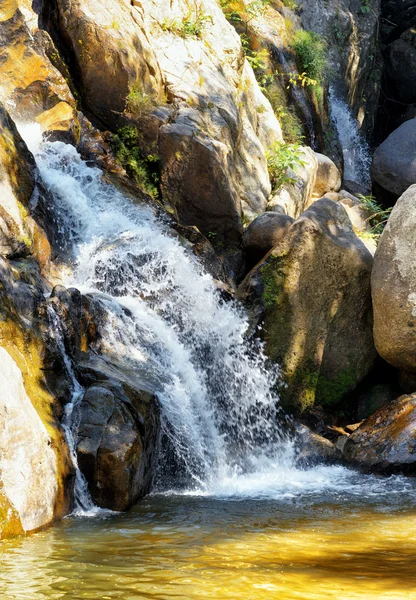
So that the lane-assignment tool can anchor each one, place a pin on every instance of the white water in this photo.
(83, 504)
(355, 148)
(165, 320)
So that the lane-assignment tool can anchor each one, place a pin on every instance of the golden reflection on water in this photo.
(186, 548)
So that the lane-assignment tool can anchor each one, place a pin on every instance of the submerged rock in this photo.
(312, 296)
(386, 441)
(394, 161)
(393, 284)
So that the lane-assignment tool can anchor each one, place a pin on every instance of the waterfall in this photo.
(83, 504)
(355, 148)
(164, 319)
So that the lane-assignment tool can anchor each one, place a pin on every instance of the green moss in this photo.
(331, 391)
(143, 168)
(291, 125)
(272, 276)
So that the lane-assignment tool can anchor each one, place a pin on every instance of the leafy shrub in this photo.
(144, 169)
(138, 101)
(310, 51)
(280, 158)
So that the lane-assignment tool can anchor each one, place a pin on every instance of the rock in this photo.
(108, 44)
(28, 463)
(312, 296)
(328, 177)
(313, 449)
(263, 234)
(117, 440)
(20, 235)
(400, 66)
(197, 105)
(294, 198)
(376, 397)
(32, 88)
(393, 284)
(386, 441)
(353, 51)
(394, 161)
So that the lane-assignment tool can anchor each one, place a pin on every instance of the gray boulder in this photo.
(393, 284)
(394, 161)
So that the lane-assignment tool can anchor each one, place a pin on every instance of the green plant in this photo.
(280, 158)
(291, 4)
(310, 51)
(378, 216)
(139, 102)
(365, 7)
(143, 168)
(192, 24)
(237, 11)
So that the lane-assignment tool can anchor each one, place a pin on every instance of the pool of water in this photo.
(348, 536)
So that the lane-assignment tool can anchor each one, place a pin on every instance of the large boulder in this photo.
(312, 296)
(178, 74)
(117, 440)
(32, 87)
(263, 234)
(28, 463)
(394, 161)
(393, 285)
(386, 441)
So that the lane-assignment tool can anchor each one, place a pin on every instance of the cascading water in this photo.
(355, 148)
(83, 504)
(165, 319)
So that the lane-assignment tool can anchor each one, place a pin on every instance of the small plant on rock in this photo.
(378, 215)
(310, 51)
(280, 158)
(143, 168)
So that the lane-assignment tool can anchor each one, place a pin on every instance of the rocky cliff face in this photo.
(203, 110)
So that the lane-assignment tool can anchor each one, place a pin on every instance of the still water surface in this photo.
(345, 537)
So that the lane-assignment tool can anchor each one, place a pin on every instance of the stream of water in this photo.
(243, 521)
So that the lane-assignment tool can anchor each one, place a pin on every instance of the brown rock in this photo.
(386, 441)
(328, 177)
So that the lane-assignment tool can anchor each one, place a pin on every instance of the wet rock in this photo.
(394, 161)
(313, 449)
(393, 286)
(263, 234)
(386, 441)
(312, 296)
(328, 177)
(117, 442)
